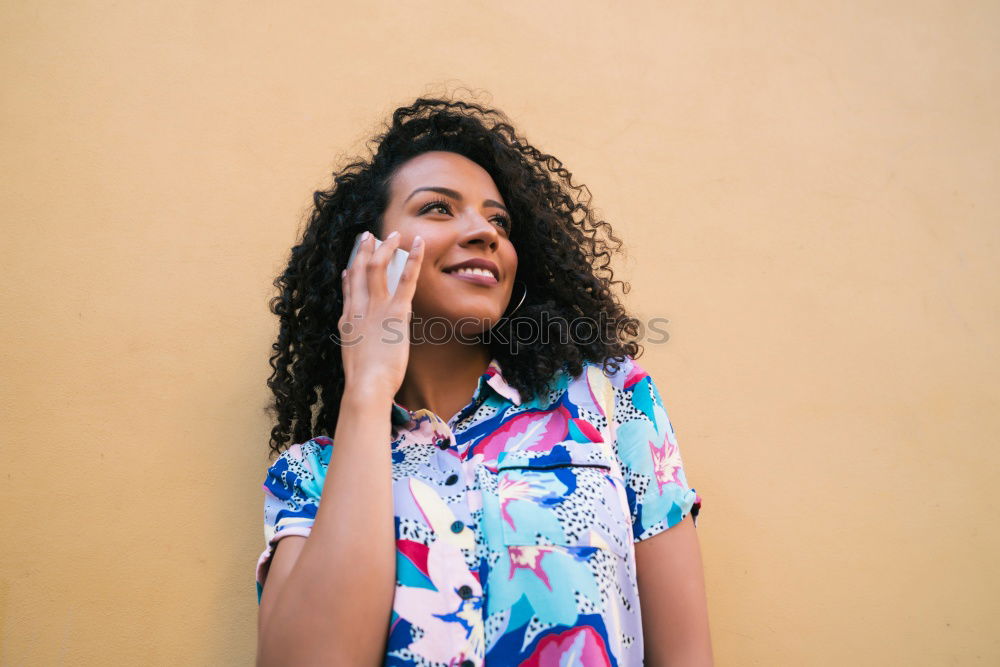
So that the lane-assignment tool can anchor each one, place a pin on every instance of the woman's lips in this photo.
(489, 281)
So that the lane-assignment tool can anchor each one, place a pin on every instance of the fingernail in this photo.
(417, 240)
(364, 237)
(391, 235)
(343, 273)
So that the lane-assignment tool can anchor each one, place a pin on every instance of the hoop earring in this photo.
(524, 293)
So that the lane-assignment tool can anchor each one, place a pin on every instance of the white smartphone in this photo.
(394, 269)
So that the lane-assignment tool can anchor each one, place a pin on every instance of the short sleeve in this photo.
(292, 489)
(655, 480)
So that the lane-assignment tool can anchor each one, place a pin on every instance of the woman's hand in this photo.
(374, 356)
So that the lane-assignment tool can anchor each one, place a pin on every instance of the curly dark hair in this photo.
(564, 256)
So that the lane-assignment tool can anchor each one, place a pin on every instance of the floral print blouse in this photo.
(515, 521)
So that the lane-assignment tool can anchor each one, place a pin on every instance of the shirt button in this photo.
(457, 526)
(465, 592)
(445, 444)
(468, 663)
(452, 478)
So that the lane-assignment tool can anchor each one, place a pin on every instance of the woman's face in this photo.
(453, 204)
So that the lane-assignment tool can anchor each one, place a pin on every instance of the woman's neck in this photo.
(441, 377)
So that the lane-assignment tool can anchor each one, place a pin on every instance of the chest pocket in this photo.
(568, 503)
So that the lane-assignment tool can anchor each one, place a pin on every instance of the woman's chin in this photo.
(468, 320)
(479, 319)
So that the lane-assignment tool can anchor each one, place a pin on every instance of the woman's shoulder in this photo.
(600, 383)
(622, 372)
(304, 461)
(303, 450)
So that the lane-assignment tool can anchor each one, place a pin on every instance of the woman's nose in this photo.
(483, 230)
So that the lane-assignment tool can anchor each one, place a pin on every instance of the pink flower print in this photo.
(509, 489)
(529, 558)
(666, 463)
(529, 431)
(576, 647)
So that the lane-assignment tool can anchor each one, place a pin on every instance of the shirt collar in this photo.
(492, 378)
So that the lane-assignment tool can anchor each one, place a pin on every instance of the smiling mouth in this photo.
(475, 277)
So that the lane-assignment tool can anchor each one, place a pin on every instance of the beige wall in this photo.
(809, 193)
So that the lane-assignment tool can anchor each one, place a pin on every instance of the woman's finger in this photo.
(411, 271)
(345, 291)
(357, 274)
(347, 318)
(377, 266)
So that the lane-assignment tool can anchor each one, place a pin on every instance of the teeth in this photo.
(478, 272)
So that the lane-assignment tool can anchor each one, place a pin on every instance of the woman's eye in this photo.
(435, 204)
(502, 220)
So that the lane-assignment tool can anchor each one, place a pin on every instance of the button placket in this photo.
(445, 441)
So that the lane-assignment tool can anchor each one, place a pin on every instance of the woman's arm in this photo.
(672, 598)
(333, 604)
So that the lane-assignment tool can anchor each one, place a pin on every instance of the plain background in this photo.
(808, 193)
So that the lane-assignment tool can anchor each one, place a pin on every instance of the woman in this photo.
(494, 492)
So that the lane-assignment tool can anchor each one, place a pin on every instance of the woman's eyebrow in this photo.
(455, 195)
